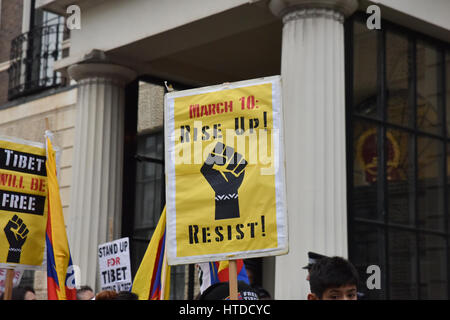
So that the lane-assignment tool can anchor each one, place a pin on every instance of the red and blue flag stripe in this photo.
(155, 287)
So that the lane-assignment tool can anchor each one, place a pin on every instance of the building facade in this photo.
(367, 114)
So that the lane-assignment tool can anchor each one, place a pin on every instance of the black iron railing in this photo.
(32, 57)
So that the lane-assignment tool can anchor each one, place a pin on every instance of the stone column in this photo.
(313, 78)
(96, 197)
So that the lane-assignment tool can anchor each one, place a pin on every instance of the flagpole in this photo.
(232, 279)
(163, 273)
(8, 284)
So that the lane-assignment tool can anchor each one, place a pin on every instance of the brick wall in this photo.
(10, 27)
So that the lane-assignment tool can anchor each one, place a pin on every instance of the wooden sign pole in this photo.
(232, 279)
(8, 284)
(47, 124)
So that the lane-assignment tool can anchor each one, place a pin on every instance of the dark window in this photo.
(398, 104)
(150, 201)
(34, 53)
(149, 193)
(149, 187)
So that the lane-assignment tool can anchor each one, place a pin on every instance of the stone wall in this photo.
(151, 107)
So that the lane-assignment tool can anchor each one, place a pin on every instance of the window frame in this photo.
(383, 125)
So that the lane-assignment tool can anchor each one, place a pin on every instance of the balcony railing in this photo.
(32, 57)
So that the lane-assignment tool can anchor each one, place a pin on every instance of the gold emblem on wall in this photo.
(366, 153)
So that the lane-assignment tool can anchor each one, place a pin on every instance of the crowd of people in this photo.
(86, 293)
(22, 293)
(330, 278)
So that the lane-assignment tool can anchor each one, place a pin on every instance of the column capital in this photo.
(281, 8)
(96, 65)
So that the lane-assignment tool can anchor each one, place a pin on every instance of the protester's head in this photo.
(106, 295)
(333, 279)
(221, 291)
(126, 295)
(22, 293)
(29, 293)
(85, 293)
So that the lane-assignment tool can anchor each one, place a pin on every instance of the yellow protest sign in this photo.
(225, 191)
(23, 202)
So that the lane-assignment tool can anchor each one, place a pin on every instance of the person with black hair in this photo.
(221, 291)
(126, 295)
(333, 279)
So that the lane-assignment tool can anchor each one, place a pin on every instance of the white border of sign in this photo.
(124, 262)
(169, 136)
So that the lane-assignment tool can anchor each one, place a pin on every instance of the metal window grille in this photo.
(33, 55)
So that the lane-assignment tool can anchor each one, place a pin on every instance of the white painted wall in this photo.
(115, 23)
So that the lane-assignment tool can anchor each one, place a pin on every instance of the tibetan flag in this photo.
(213, 272)
(60, 272)
(148, 279)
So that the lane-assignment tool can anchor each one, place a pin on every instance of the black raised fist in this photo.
(16, 232)
(224, 170)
